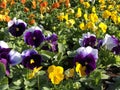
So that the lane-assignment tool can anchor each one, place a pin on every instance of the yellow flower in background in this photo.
(118, 8)
(61, 17)
(110, 7)
(86, 4)
(114, 18)
(103, 27)
(86, 16)
(93, 17)
(102, 7)
(118, 19)
(106, 14)
(90, 25)
(79, 13)
(70, 11)
(70, 23)
(55, 74)
(35, 70)
(69, 73)
(82, 26)
(66, 16)
(93, 9)
(80, 69)
(102, 1)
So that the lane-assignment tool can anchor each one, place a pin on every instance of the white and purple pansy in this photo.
(16, 27)
(88, 39)
(87, 56)
(34, 36)
(112, 43)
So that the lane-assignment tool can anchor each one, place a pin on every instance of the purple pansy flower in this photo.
(87, 57)
(8, 56)
(112, 43)
(31, 59)
(34, 36)
(52, 40)
(16, 27)
(88, 40)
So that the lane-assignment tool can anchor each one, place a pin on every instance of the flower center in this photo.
(17, 29)
(34, 38)
(32, 61)
(86, 63)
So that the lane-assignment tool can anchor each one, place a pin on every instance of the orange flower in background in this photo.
(61, 1)
(32, 21)
(34, 4)
(3, 4)
(26, 9)
(44, 4)
(81, 1)
(67, 3)
(56, 5)
(7, 18)
(23, 1)
(12, 2)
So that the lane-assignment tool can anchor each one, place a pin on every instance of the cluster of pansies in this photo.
(69, 43)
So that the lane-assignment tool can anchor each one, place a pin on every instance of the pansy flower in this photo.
(52, 40)
(16, 27)
(8, 56)
(31, 59)
(112, 43)
(34, 36)
(89, 39)
(86, 59)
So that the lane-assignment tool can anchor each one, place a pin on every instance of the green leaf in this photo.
(47, 53)
(2, 71)
(4, 84)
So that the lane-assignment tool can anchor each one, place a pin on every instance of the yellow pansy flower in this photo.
(79, 13)
(86, 16)
(82, 26)
(66, 16)
(86, 4)
(103, 27)
(69, 73)
(106, 14)
(114, 18)
(80, 69)
(93, 17)
(55, 74)
(35, 70)
(102, 7)
(118, 19)
(90, 25)
(102, 1)
(70, 11)
(110, 7)
(93, 9)
(61, 17)
(70, 23)
(118, 8)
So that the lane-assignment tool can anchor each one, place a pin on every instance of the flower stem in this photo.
(38, 83)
